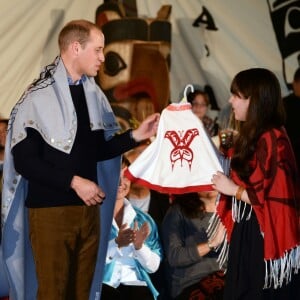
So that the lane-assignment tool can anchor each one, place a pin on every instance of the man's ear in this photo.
(75, 47)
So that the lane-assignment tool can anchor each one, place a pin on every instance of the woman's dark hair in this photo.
(190, 204)
(192, 95)
(265, 111)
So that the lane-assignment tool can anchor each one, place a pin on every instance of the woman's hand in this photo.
(141, 234)
(125, 236)
(218, 238)
(226, 186)
(223, 184)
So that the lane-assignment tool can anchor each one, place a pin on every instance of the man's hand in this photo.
(88, 191)
(147, 128)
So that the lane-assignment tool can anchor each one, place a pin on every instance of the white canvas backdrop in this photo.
(245, 38)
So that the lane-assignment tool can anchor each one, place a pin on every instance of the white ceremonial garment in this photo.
(182, 157)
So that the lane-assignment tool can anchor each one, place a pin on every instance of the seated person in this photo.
(3, 279)
(3, 129)
(156, 205)
(190, 255)
(134, 250)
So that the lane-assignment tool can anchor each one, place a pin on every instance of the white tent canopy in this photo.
(244, 38)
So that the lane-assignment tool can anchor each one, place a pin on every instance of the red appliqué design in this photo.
(181, 150)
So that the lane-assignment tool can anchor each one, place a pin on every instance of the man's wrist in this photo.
(132, 135)
(73, 182)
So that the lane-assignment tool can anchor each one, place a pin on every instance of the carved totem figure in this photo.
(135, 74)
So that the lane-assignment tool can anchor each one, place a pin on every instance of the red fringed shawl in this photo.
(272, 193)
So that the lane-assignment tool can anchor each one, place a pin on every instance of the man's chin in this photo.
(92, 74)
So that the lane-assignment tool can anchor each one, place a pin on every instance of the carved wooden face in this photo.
(135, 74)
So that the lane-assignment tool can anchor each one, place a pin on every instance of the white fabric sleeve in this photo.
(147, 258)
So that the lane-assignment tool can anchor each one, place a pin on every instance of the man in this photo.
(63, 160)
(292, 108)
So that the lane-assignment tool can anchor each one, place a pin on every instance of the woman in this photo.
(200, 102)
(134, 250)
(190, 255)
(261, 223)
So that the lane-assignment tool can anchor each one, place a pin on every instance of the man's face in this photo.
(90, 55)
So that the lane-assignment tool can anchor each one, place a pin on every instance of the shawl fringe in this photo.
(223, 248)
(238, 210)
(279, 271)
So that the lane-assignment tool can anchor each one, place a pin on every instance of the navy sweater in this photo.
(49, 171)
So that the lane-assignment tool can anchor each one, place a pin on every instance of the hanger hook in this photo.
(186, 89)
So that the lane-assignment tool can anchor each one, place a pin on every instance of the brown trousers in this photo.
(65, 244)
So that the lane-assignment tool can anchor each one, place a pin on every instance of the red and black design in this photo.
(181, 150)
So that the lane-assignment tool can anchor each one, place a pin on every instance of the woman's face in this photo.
(199, 106)
(239, 107)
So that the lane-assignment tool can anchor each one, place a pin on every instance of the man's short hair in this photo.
(76, 30)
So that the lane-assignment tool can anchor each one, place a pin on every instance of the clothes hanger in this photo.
(188, 86)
